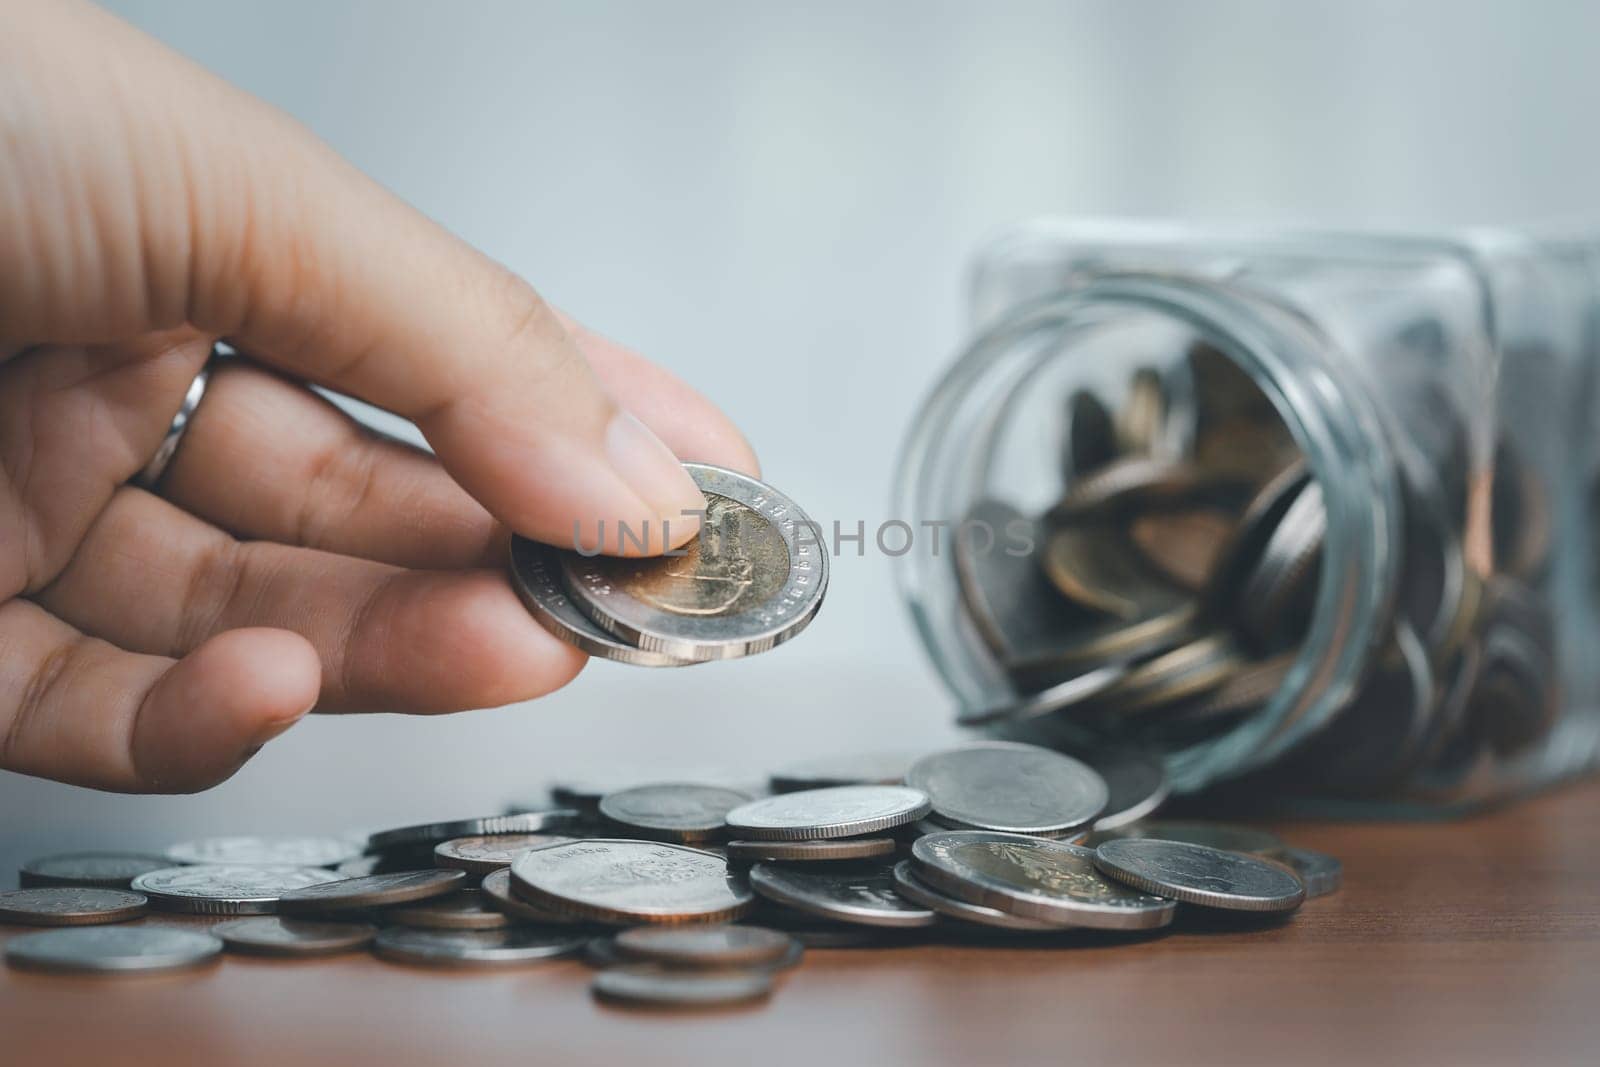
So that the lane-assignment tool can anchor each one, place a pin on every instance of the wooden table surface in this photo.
(1474, 942)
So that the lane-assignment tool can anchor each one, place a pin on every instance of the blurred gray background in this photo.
(777, 201)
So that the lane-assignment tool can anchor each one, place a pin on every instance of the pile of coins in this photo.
(752, 578)
(1162, 601)
(688, 894)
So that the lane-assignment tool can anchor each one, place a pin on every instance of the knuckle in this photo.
(340, 481)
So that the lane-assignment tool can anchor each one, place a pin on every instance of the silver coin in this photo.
(465, 909)
(1019, 615)
(753, 578)
(845, 848)
(213, 889)
(1034, 878)
(434, 833)
(705, 946)
(674, 811)
(1199, 875)
(496, 888)
(1275, 601)
(1076, 690)
(373, 891)
(934, 825)
(1010, 787)
(70, 906)
(621, 881)
(848, 768)
(852, 893)
(656, 986)
(271, 935)
(840, 811)
(112, 949)
(475, 948)
(100, 870)
(1090, 438)
(914, 889)
(1321, 873)
(1136, 785)
(535, 576)
(1229, 837)
(265, 851)
(489, 852)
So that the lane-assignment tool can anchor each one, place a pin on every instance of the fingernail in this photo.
(272, 729)
(654, 474)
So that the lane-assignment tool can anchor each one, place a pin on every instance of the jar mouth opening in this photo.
(958, 444)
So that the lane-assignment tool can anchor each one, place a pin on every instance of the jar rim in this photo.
(1331, 419)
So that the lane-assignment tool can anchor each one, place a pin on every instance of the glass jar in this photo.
(1311, 514)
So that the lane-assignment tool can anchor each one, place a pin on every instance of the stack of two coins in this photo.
(753, 578)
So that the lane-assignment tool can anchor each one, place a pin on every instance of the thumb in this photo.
(215, 210)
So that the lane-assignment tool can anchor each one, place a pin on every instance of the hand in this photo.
(291, 559)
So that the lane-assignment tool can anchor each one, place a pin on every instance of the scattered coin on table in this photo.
(672, 811)
(829, 851)
(1195, 874)
(1321, 873)
(670, 924)
(98, 870)
(1009, 787)
(273, 935)
(372, 891)
(649, 985)
(465, 909)
(490, 852)
(496, 889)
(1136, 785)
(475, 948)
(112, 949)
(705, 946)
(622, 882)
(214, 889)
(264, 851)
(839, 811)
(1229, 837)
(430, 835)
(1035, 878)
(914, 889)
(70, 906)
(849, 893)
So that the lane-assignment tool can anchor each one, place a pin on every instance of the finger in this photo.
(154, 579)
(216, 210)
(692, 426)
(75, 423)
(266, 458)
(79, 710)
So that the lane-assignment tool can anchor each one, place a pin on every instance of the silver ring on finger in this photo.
(152, 472)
